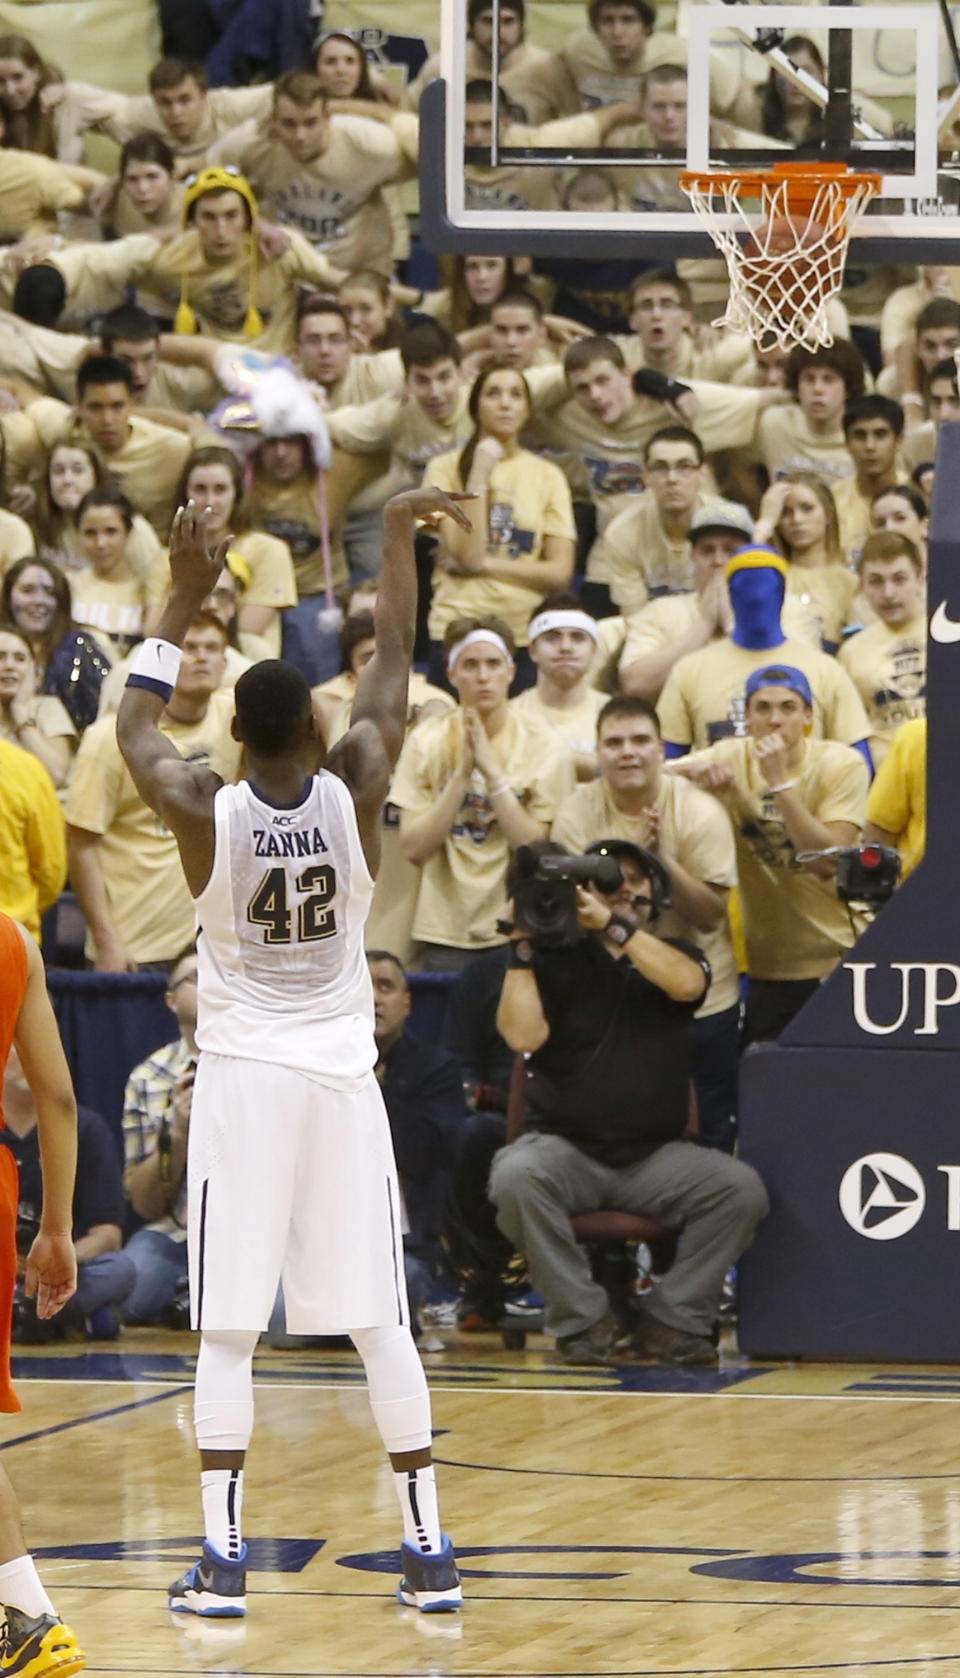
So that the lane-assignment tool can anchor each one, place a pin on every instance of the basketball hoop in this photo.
(786, 261)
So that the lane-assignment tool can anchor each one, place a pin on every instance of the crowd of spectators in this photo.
(690, 613)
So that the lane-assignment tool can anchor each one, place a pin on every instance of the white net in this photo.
(785, 262)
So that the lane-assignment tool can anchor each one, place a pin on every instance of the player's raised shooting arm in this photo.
(368, 751)
(181, 793)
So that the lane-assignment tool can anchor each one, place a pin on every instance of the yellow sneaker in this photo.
(38, 1648)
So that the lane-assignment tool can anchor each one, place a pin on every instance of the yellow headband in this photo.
(755, 559)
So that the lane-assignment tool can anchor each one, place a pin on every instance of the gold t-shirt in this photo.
(148, 466)
(666, 619)
(794, 923)
(703, 696)
(696, 833)
(289, 513)
(463, 885)
(528, 499)
(16, 540)
(575, 730)
(400, 424)
(32, 190)
(898, 796)
(889, 669)
(149, 903)
(788, 445)
(827, 592)
(112, 608)
(853, 514)
(224, 109)
(518, 186)
(334, 201)
(606, 462)
(272, 579)
(98, 277)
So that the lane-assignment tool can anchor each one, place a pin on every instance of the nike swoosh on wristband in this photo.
(943, 628)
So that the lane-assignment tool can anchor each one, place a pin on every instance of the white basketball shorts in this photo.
(288, 1178)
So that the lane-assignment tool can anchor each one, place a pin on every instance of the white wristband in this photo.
(783, 787)
(155, 666)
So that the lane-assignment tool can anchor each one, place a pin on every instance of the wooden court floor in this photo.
(611, 1524)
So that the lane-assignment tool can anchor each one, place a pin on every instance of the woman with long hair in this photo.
(522, 543)
(367, 298)
(213, 477)
(799, 515)
(787, 113)
(35, 600)
(341, 65)
(38, 722)
(72, 470)
(40, 111)
(474, 284)
(108, 599)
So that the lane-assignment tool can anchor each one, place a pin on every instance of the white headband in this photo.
(489, 635)
(565, 618)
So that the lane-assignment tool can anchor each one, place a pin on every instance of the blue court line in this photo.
(698, 1479)
(95, 1416)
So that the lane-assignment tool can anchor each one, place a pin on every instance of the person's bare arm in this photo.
(676, 974)
(702, 904)
(86, 877)
(551, 573)
(190, 349)
(805, 831)
(874, 834)
(521, 1021)
(51, 1263)
(423, 832)
(254, 620)
(368, 751)
(181, 793)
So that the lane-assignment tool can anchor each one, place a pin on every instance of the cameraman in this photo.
(605, 1024)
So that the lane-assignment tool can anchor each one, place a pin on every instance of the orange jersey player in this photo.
(34, 1642)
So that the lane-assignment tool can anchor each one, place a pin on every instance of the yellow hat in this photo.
(197, 186)
(746, 559)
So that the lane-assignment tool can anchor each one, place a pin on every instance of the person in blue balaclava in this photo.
(703, 699)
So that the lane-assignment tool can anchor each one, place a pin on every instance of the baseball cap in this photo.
(726, 516)
(780, 675)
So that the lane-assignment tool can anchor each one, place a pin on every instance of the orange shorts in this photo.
(9, 1201)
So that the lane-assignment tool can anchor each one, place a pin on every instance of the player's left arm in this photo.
(365, 757)
(181, 793)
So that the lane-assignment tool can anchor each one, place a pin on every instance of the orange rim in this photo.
(803, 181)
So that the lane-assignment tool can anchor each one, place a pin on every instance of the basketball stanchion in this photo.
(785, 259)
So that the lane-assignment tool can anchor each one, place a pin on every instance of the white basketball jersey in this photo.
(282, 971)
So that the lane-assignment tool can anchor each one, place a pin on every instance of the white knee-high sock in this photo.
(221, 1490)
(223, 1421)
(20, 1587)
(400, 1401)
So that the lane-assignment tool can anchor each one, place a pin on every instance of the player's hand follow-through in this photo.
(194, 566)
(428, 505)
(51, 1273)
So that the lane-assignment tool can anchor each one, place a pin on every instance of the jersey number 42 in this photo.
(269, 906)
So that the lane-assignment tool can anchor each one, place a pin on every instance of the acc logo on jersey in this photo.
(882, 1196)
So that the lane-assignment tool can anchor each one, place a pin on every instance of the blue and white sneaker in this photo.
(213, 1587)
(430, 1582)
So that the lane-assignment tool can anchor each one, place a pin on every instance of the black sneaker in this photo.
(430, 1582)
(213, 1587)
(39, 1648)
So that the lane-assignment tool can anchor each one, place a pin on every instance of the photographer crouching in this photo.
(601, 1008)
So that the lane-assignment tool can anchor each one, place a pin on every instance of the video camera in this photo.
(866, 874)
(544, 887)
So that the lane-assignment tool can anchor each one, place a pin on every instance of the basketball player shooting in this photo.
(290, 1171)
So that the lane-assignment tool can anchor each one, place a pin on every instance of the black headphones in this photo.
(648, 864)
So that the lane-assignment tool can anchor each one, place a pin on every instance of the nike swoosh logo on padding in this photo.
(943, 628)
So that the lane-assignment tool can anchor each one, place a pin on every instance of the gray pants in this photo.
(538, 1182)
